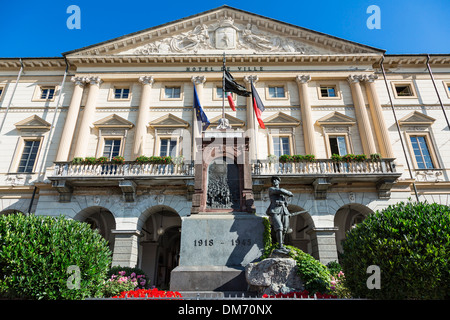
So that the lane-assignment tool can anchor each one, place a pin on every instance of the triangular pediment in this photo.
(168, 121)
(281, 119)
(336, 118)
(224, 29)
(416, 118)
(32, 123)
(233, 121)
(113, 121)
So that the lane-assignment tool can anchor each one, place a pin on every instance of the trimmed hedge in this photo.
(410, 243)
(36, 252)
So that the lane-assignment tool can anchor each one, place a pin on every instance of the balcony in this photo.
(322, 173)
(127, 176)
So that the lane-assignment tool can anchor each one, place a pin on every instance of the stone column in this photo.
(142, 118)
(126, 244)
(380, 127)
(88, 116)
(71, 120)
(251, 119)
(305, 106)
(323, 243)
(198, 82)
(362, 117)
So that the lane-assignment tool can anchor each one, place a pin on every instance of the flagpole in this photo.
(223, 87)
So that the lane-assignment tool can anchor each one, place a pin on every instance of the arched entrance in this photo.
(100, 219)
(346, 218)
(159, 248)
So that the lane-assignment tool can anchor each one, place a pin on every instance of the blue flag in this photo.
(201, 116)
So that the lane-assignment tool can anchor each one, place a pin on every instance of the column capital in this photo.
(198, 79)
(79, 81)
(355, 78)
(370, 77)
(252, 78)
(92, 80)
(305, 78)
(146, 80)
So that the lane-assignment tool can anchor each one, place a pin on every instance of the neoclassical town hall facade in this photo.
(134, 96)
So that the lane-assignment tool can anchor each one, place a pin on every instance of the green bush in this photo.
(410, 243)
(36, 252)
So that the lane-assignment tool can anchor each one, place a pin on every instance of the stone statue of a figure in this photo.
(278, 211)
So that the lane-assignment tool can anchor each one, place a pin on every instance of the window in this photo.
(29, 155)
(47, 93)
(338, 145)
(276, 92)
(121, 93)
(421, 152)
(219, 92)
(172, 92)
(403, 90)
(111, 148)
(281, 145)
(168, 147)
(328, 91)
(1, 92)
(446, 86)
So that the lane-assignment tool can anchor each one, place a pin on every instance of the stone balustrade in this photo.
(325, 166)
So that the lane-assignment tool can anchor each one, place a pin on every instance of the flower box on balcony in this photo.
(297, 158)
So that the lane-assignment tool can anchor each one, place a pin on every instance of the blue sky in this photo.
(38, 28)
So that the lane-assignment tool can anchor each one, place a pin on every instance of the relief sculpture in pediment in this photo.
(224, 35)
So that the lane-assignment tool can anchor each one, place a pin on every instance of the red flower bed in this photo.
(149, 293)
(301, 294)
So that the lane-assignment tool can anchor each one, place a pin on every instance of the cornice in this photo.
(177, 59)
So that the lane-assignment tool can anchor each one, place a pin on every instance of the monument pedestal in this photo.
(215, 248)
(222, 235)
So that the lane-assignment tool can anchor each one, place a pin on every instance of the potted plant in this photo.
(375, 156)
(77, 160)
(142, 159)
(89, 160)
(336, 157)
(285, 158)
(361, 157)
(348, 157)
(272, 158)
(178, 160)
(102, 160)
(118, 160)
(310, 158)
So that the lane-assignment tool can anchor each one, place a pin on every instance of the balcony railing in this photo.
(325, 166)
(127, 169)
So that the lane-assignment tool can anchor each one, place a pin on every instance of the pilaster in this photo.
(376, 111)
(305, 107)
(142, 118)
(88, 116)
(362, 117)
(71, 119)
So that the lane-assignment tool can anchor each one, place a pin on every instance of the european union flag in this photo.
(201, 116)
